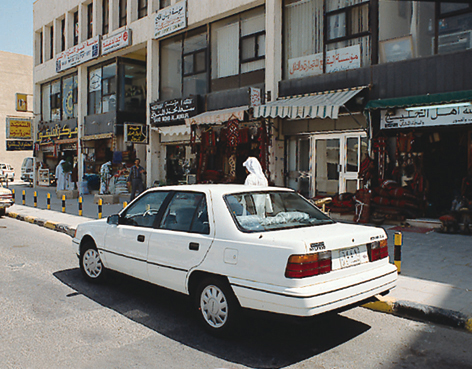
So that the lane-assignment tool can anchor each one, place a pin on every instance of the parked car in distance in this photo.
(27, 169)
(7, 173)
(233, 246)
(6, 199)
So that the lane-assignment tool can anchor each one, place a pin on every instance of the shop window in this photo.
(105, 16)
(102, 89)
(132, 87)
(41, 47)
(454, 27)
(89, 20)
(170, 68)
(238, 44)
(142, 8)
(76, 28)
(69, 97)
(123, 4)
(51, 42)
(56, 100)
(195, 64)
(46, 102)
(348, 22)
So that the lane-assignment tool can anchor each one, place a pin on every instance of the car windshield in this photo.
(273, 210)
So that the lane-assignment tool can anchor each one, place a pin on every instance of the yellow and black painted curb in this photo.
(55, 226)
(417, 311)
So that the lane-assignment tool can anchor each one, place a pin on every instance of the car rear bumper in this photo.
(317, 298)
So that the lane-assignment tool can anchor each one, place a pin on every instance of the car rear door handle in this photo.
(141, 238)
(193, 246)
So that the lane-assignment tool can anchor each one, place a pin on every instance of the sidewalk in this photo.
(435, 283)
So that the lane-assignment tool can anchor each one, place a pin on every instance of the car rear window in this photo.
(273, 210)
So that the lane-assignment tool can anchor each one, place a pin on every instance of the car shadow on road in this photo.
(264, 341)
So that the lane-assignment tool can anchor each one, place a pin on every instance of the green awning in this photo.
(420, 100)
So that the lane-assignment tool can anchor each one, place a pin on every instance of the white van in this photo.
(27, 170)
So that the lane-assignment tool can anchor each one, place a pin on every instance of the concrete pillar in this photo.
(132, 11)
(83, 23)
(154, 157)
(82, 84)
(69, 29)
(114, 20)
(97, 17)
(57, 36)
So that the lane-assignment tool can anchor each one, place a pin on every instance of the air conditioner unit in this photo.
(454, 42)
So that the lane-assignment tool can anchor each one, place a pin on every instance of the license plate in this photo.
(349, 257)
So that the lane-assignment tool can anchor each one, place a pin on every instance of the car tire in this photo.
(217, 307)
(91, 264)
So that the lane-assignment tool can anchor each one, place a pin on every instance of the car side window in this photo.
(144, 211)
(187, 212)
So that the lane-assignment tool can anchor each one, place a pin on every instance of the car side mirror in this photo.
(113, 219)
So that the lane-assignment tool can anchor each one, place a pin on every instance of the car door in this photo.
(181, 240)
(126, 244)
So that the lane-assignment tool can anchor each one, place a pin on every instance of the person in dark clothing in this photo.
(136, 179)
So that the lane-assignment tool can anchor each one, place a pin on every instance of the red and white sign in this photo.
(116, 41)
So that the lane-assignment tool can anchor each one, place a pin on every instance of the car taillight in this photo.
(301, 266)
(377, 250)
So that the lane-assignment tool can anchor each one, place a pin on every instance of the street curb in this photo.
(55, 226)
(417, 311)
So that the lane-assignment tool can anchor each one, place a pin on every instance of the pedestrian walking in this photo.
(256, 175)
(135, 178)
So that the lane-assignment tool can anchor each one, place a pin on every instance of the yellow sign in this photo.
(21, 102)
(19, 128)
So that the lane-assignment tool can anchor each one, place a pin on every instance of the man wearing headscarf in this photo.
(256, 176)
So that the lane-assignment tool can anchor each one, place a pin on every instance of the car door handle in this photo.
(193, 246)
(141, 238)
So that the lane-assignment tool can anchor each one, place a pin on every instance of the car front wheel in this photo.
(91, 264)
(217, 306)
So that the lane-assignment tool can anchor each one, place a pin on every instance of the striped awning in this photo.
(218, 116)
(321, 105)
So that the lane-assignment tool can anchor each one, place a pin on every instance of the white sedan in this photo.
(234, 246)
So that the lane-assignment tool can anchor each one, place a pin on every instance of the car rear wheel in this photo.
(217, 306)
(90, 263)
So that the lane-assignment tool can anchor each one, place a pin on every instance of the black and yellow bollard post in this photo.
(24, 197)
(397, 252)
(48, 201)
(80, 205)
(99, 208)
(35, 199)
(63, 203)
(125, 204)
(13, 194)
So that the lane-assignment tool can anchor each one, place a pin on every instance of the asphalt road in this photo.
(50, 317)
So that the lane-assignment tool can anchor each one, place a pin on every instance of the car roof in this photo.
(221, 189)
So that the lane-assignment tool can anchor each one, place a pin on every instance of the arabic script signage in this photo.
(172, 111)
(401, 118)
(136, 133)
(170, 19)
(19, 128)
(56, 132)
(19, 145)
(78, 54)
(117, 41)
(336, 60)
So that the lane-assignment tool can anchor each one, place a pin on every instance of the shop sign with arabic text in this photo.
(401, 118)
(170, 19)
(136, 133)
(78, 54)
(172, 111)
(56, 132)
(19, 128)
(336, 60)
(117, 41)
(19, 145)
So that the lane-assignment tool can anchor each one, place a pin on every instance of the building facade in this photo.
(313, 88)
(16, 123)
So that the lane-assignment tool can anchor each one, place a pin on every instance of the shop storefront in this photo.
(325, 141)
(424, 146)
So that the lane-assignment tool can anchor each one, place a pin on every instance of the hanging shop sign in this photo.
(136, 133)
(116, 41)
(255, 95)
(19, 128)
(173, 111)
(402, 118)
(78, 54)
(56, 132)
(170, 19)
(19, 145)
(336, 60)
